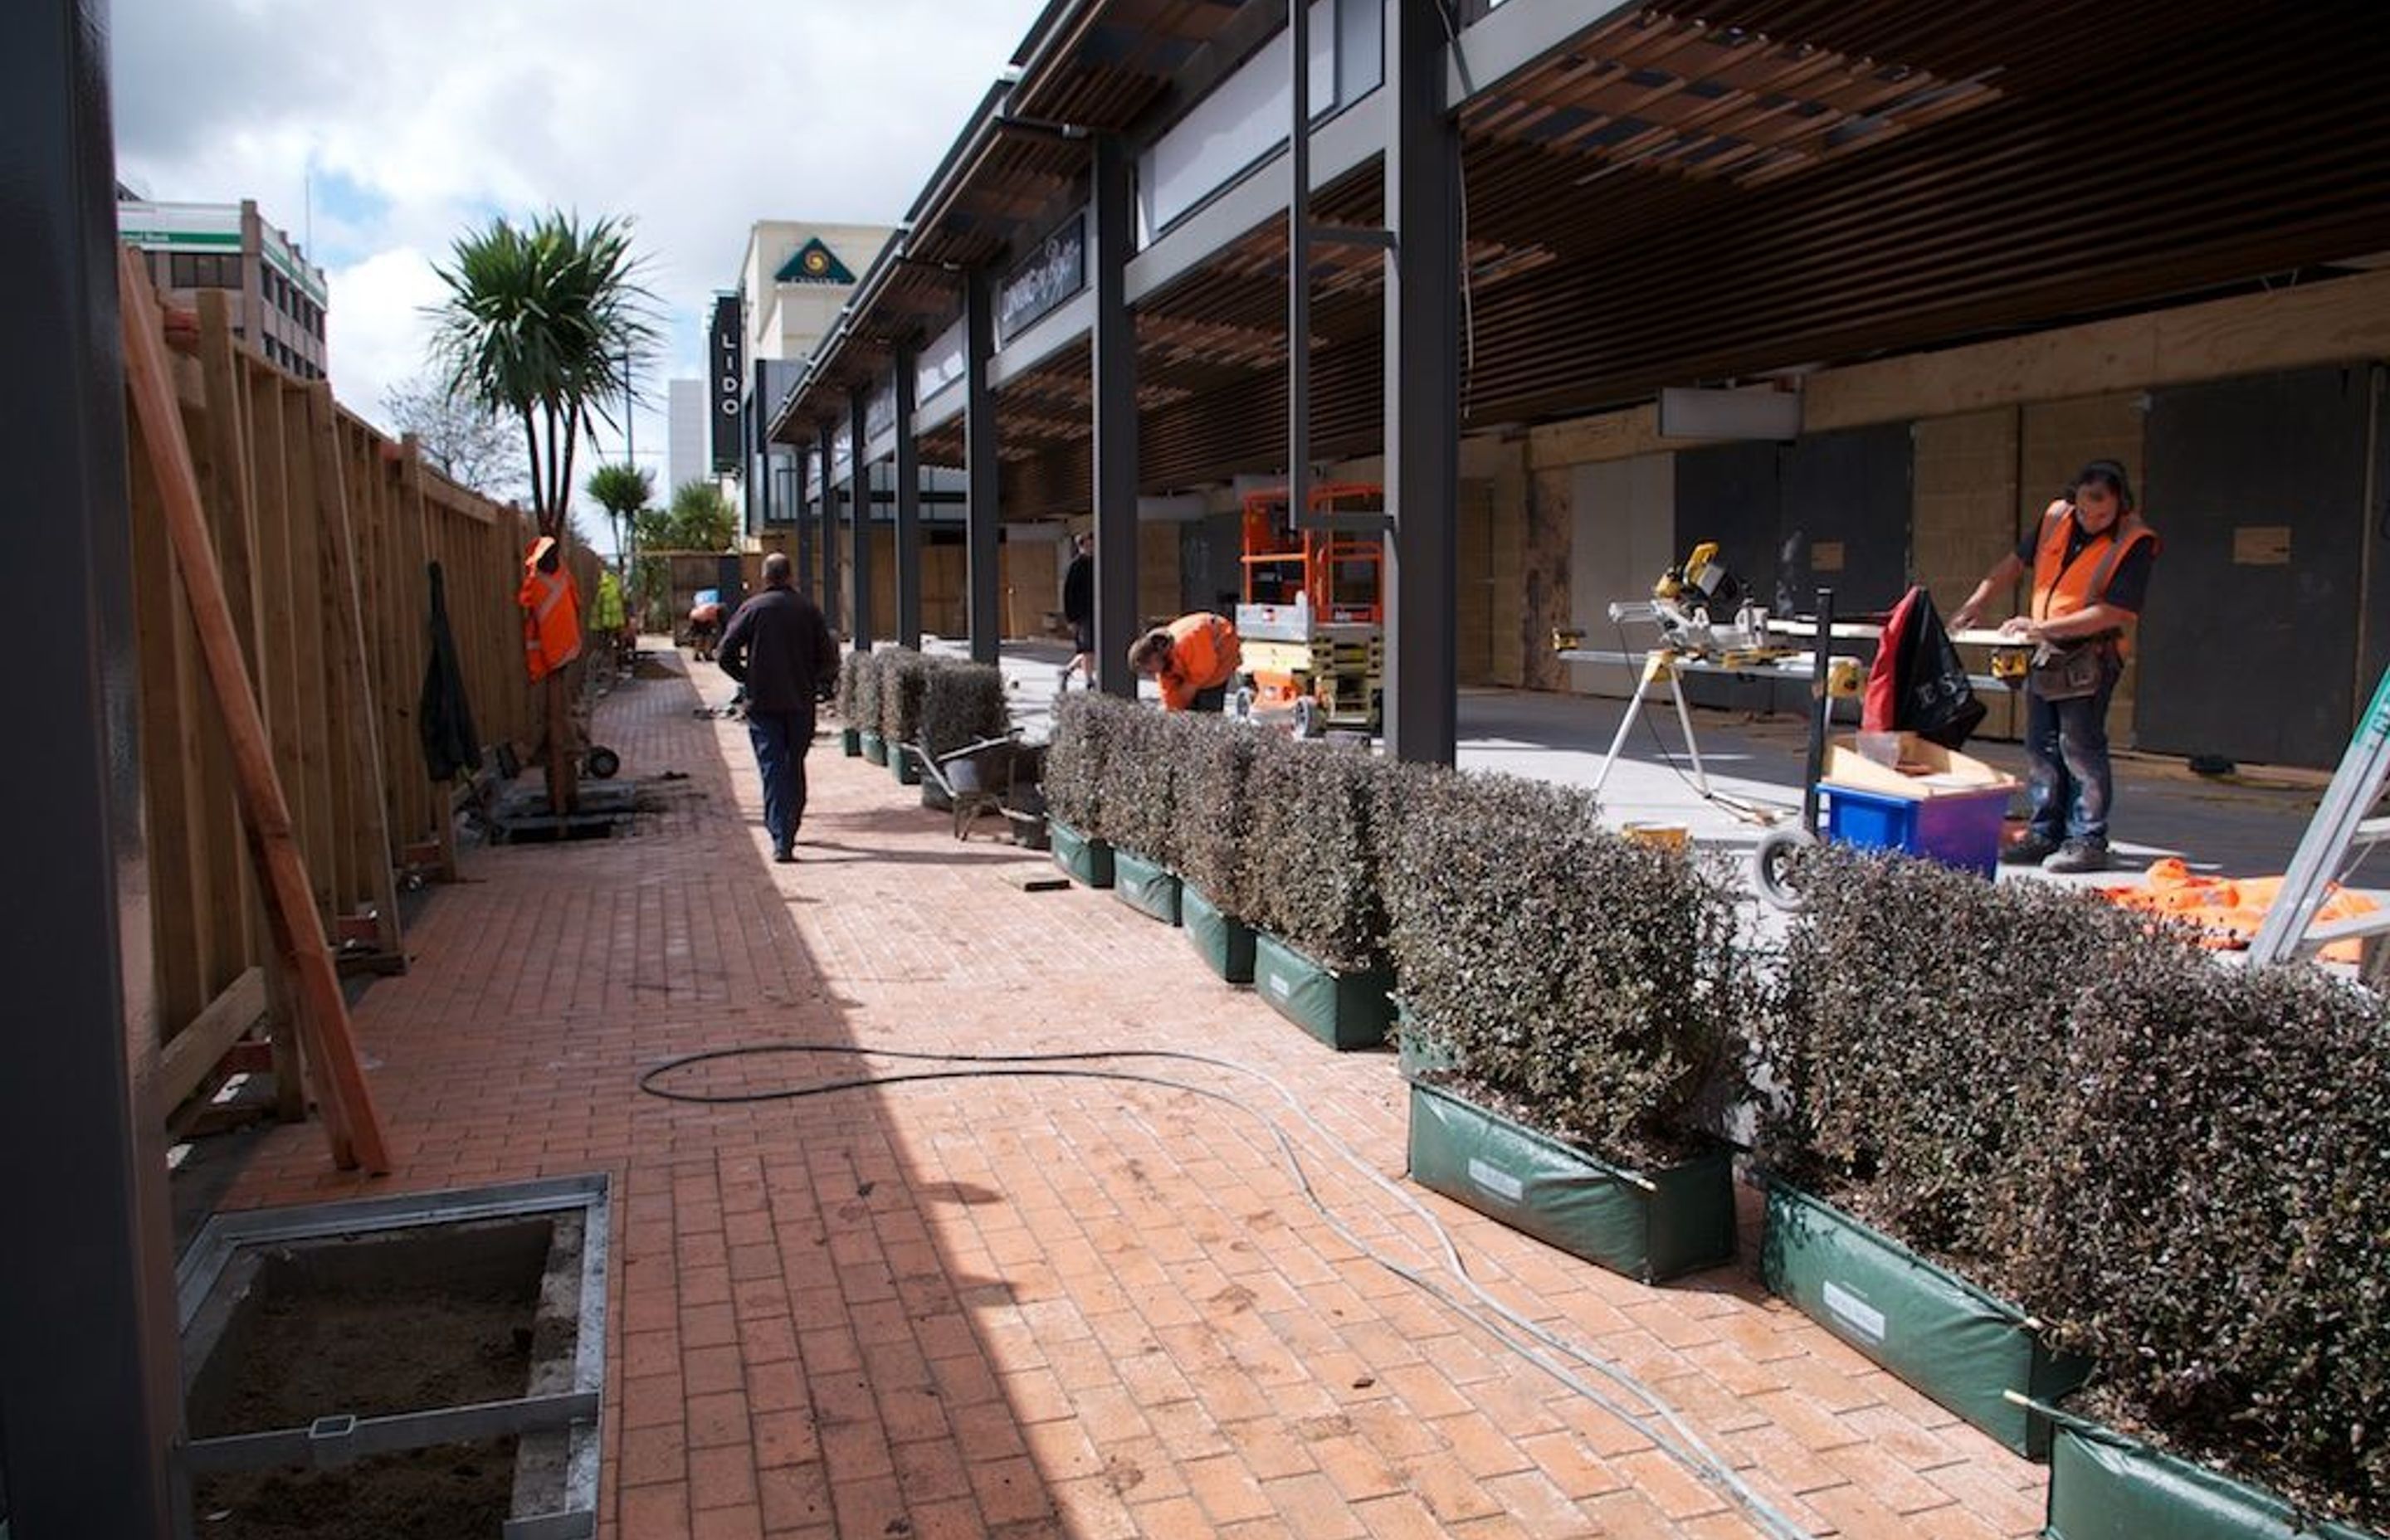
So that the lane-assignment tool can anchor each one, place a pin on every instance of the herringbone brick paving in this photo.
(1048, 1306)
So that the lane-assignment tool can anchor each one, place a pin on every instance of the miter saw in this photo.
(1704, 611)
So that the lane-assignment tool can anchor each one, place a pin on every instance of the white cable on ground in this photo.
(1671, 1434)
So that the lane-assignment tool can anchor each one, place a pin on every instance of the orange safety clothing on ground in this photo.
(2064, 587)
(1204, 654)
(551, 607)
(2229, 911)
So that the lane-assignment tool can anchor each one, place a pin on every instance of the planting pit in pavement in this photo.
(429, 1366)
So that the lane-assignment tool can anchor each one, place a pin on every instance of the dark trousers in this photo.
(2066, 742)
(781, 740)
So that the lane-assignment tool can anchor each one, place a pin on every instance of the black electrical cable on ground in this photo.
(1662, 1424)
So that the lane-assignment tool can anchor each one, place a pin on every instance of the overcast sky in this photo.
(402, 123)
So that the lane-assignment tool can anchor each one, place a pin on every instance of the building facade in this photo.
(690, 459)
(279, 295)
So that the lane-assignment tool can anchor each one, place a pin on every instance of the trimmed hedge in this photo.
(1914, 1040)
(962, 703)
(1217, 814)
(1314, 851)
(858, 690)
(1138, 808)
(2215, 1229)
(1587, 986)
(1084, 722)
(903, 680)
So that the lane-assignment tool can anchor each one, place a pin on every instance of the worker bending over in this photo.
(1193, 658)
(2090, 559)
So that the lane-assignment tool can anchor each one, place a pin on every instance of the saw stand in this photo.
(1661, 664)
(2339, 828)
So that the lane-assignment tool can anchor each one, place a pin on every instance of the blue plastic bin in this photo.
(1957, 829)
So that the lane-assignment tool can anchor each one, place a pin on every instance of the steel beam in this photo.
(1349, 140)
(858, 505)
(1073, 319)
(908, 509)
(1298, 266)
(980, 511)
(1511, 40)
(830, 563)
(1114, 381)
(804, 517)
(90, 1393)
(1422, 385)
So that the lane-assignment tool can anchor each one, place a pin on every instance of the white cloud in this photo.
(695, 120)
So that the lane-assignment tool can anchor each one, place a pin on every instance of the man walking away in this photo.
(779, 647)
(1079, 610)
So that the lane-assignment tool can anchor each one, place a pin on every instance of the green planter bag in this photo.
(1145, 887)
(1417, 1051)
(901, 764)
(1344, 1010)
(2106, 1486)
(1959, 1345)
(1090, 862)
(1649, 1225)
(875, 748)
(850, 741)
(1225, 942)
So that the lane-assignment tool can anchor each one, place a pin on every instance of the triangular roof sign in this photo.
(813, 263)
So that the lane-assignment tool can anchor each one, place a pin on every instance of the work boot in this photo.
(2079, 855)
(783, 854)
(2031, 851)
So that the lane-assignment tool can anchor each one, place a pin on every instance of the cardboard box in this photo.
(1926, 771)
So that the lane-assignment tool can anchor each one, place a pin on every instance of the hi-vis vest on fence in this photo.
(551, 606)
(2062, 587)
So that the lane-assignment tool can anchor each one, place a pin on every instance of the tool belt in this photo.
(2072, 672)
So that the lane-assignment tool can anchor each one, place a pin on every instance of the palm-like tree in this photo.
(623, 490)
(546, 323)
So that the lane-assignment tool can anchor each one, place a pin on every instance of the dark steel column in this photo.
(979, 469)
(90, 1393)
(858, 503)
(804, 517)
(1298, 270)
(829, 589)
(908, 509)
(1114, 349)
(1422, 388)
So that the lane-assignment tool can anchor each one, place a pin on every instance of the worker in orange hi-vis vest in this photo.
(2090, 558)
(1193, 658)
(551, 607)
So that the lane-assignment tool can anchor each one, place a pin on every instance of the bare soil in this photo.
(455, 1492)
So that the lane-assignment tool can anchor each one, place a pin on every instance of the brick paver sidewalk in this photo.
(1040, 1307)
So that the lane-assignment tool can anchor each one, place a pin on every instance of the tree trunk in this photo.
(563, 768)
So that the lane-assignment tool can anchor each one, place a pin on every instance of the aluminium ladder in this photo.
(2339, 827)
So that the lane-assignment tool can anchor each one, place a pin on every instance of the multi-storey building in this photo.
(281, 295)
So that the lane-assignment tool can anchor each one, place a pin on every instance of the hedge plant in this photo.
(858, 690)
(903, 679)
(1913, 1045)
(1217, 814)
(962, 703)
(2215, 1229)
(1084, 724)
(1138, 803)
(1590, 986)
(1316, 852)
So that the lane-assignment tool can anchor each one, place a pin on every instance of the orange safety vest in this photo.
(1203, 653)
(2064, 587)
(551, 607)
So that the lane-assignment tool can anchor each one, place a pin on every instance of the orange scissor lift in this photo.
(1311, 626)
